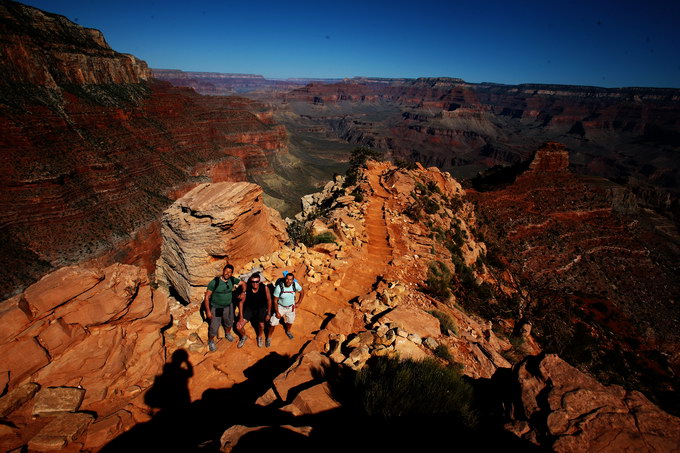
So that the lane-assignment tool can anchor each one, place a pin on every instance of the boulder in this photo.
(408, 349)
(53, 400)
(14, 317)
(313, 400)
(21, 358)
(60, 431)
(207, 227)
(17, 397)
(106, 301)
(413, 320)
(304, 370)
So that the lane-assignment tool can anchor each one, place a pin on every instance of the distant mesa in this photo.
(550, 157)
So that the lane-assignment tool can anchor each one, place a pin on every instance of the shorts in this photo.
(227, 319)
(287, 314)
(255, 314)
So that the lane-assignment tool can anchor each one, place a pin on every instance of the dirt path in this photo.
(226, 366)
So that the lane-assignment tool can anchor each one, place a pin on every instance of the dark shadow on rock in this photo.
(170, 389)
(201, 424)
(198, 426)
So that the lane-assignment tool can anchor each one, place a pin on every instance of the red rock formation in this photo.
(551, 157)
(569, 411)
(94, 151)
(46, 49)
(212, 225)
(463, 127)
(600, 285)
(95, 329)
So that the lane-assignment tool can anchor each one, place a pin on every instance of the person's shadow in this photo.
(170, 390)
(182, 425)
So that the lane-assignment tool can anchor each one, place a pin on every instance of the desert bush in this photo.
(390, 388)
(326, 236)
(445, 321)
(438, 280)
(357, 161)
(442, 351)
(299, 232)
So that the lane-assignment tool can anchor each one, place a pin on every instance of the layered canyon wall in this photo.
(629, 135)
(95, 149)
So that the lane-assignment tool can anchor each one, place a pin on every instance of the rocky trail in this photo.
(227, 366)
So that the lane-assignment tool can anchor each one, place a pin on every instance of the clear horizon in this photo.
(608, 44)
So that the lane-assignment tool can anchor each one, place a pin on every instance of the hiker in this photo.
(285, 303)
(256, 308)
(218, 305)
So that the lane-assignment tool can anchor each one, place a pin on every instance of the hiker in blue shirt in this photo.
(285, 304)
(218, 305)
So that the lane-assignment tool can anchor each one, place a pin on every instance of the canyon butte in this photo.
(550, 289)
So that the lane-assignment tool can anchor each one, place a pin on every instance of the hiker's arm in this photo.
(242, 296)
(276, 307)
(240, 307)
(206, 304)
(301, 296)
(269, 303)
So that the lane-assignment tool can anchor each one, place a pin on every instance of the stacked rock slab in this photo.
(210, 226)
(79, 339)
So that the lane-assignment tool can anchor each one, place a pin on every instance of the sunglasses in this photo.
(254, 281)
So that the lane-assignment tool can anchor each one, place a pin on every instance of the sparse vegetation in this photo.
(438, 280)
(392, 388)
(300, 232)
(442, 351)
(357, 161)
(323, 237)
(446, 323)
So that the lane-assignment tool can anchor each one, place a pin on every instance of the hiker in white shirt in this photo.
(285, 304)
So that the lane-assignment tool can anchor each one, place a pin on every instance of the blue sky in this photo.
(606, 43)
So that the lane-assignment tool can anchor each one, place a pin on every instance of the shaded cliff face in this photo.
(601, 285)
(93, 149)
(48, 50)
(629, 135)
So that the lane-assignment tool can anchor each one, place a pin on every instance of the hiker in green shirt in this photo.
(218, 304)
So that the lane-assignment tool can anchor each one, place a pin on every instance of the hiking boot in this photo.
(212, 346)
(229, 337)
(268, 342)
(260, 342)
(290, 335)
(242, 341)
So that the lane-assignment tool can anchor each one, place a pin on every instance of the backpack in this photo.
(281, 282)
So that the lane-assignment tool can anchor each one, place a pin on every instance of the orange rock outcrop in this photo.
(97, 330)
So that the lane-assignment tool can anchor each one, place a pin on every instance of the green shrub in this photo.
(357, 161)
(446, 323)
(388, 387)
(442, 351)
(430, 206)
(404, 164)
(358, 195)
(438, 280)
(323, 237)
(432, 187)
(299, 232)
